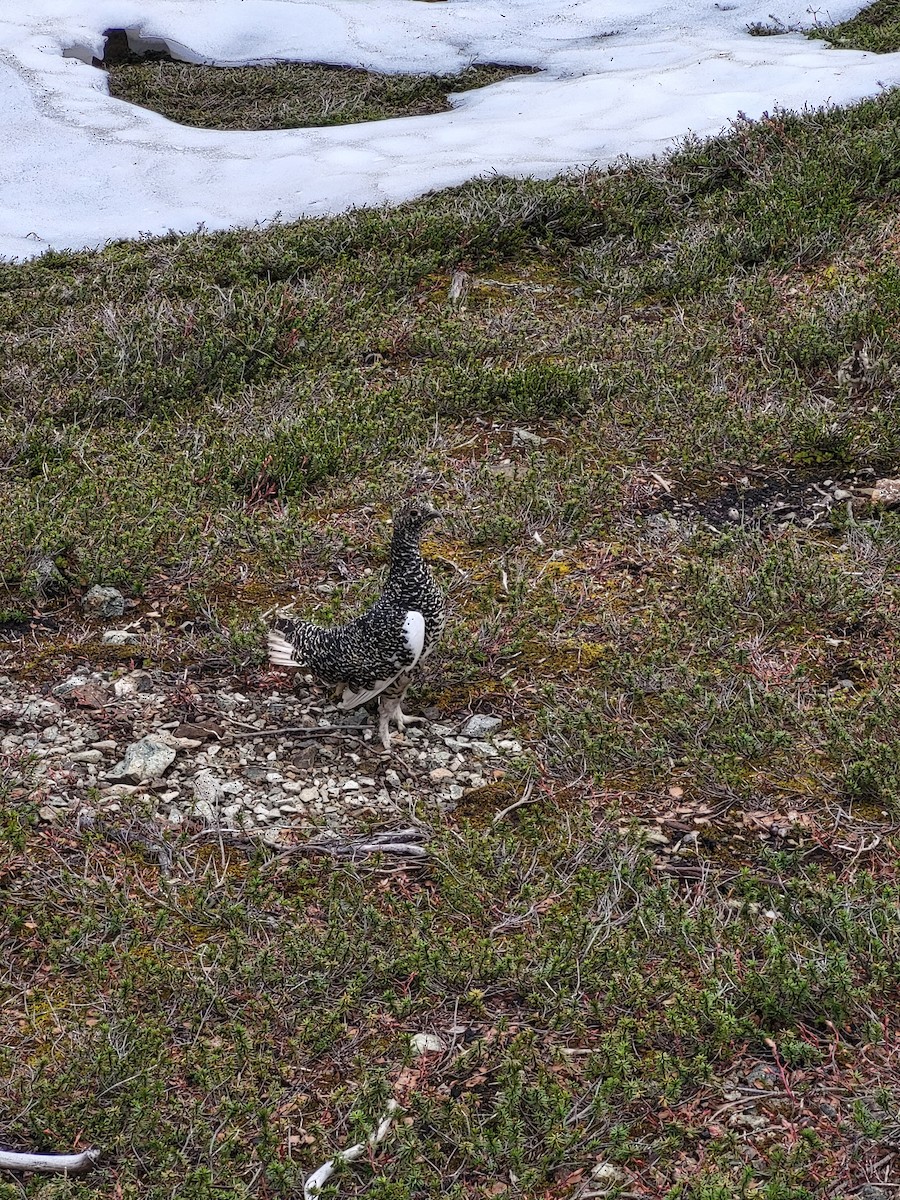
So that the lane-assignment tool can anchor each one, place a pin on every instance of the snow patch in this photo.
(618, 77)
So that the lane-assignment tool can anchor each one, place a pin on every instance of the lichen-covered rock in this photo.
(887, 492)
(144, 760)
(479, 725)
(103, 602)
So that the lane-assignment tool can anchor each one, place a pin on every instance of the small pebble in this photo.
(88, 756)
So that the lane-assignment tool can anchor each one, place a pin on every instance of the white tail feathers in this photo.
(281, 652)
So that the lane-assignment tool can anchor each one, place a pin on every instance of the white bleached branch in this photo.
(67, 1164)
(319, 1178)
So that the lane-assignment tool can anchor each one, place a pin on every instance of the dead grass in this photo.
(287, 95)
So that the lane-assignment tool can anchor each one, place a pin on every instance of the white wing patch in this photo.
(414, 633)
(414, 628)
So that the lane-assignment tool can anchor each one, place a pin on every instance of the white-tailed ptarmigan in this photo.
(376, 654)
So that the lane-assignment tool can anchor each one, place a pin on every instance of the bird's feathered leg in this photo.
(386, 709)
(390, 708)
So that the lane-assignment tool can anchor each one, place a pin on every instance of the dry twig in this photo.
(307, 731)
(404, 843)
(525, 798)
(400, 843)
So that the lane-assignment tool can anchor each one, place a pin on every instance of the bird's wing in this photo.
(414, 636)
(282, 653)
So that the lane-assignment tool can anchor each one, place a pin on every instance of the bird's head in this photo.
(414, 515)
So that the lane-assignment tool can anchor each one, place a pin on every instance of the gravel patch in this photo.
(260, 761)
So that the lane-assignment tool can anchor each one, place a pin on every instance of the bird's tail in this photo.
(282, 639)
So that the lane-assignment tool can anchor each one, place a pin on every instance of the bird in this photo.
(376, 654)
(857, 371)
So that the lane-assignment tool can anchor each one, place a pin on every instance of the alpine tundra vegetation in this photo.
(633, 930)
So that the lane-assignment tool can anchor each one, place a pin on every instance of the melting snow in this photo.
(78, 167)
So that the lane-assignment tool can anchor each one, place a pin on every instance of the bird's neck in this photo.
(405, 551)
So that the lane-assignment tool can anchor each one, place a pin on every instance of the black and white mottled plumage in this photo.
(376, 654)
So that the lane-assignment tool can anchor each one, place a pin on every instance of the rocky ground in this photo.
(270, 760)
(771, 502)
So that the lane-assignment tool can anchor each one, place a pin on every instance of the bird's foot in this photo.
(404, 719)
(389, 710)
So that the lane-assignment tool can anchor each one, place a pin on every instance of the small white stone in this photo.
(350, 785)
(207, 788)
(133, 684)
(118, 637)
(426, 1043)
(512, 747)
(608, 1174)
(119, 790)
(655, 837)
